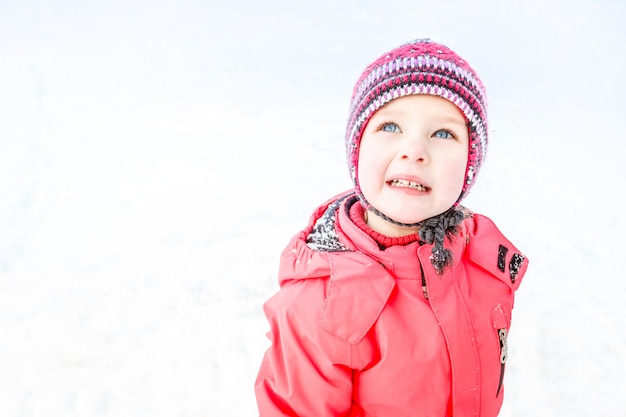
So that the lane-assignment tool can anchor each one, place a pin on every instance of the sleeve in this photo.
(305, 371)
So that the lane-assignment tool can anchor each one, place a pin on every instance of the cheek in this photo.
(459, 173)
(454, 172)
(365, 173)
(364, 156)
(369, 169)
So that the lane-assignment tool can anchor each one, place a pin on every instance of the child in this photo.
(395, 300)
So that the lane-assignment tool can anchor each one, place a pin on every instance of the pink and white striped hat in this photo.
(420, 67)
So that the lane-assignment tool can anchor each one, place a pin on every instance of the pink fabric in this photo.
(357, 216)
(353, 335)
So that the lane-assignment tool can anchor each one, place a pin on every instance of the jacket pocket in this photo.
(501, 323)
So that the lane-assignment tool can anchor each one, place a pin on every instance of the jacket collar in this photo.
(360, 270)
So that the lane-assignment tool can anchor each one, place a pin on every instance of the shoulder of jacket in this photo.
(347, 292)
(352, 287)
(305, 256)
(358, 290)
(489, 249)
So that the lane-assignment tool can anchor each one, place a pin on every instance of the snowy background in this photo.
(155, 157)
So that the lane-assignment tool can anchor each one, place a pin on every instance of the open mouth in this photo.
(408, 184)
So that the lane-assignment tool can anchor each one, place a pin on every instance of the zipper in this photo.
(504, 353)
(424, 287)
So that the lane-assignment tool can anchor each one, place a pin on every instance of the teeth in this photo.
(408, 184)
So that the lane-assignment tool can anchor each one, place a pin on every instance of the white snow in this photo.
(155, 157)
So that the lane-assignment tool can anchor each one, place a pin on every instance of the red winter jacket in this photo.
(354, 333)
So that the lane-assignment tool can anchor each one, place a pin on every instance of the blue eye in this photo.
(443, 134)
(390, 127)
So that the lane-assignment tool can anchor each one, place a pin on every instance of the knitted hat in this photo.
(422, 67)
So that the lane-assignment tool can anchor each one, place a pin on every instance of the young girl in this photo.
(395, 300)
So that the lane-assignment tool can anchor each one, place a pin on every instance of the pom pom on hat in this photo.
(420, 67)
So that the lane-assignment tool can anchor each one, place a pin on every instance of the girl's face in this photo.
(412, 161)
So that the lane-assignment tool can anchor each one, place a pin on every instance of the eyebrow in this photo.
(455, 120)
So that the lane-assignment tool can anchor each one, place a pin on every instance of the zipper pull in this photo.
(504, 347)
(424, 287)
(504, 353)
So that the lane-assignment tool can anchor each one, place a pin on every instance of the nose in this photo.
(415, 148)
